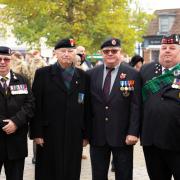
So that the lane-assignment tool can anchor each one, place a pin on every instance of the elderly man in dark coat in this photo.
(59, 126)
(160, 135)
(16, 109)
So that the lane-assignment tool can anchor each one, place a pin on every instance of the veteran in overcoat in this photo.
(160, 136)
(59, 127)
(16, 110)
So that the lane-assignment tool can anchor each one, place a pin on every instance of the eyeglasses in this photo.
(6, 59)
(113, 51)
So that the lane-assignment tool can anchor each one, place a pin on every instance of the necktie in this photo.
(107, 83)
(4, 85)
(67, 76)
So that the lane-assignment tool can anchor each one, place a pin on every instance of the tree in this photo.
(88, 21)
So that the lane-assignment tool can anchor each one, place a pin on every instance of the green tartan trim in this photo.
(153, 86)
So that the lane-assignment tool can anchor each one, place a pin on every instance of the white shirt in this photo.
(9, 78)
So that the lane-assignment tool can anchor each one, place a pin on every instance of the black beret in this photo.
(171, 39)
(5, 50)
(135, 59)
(113, 42)
(65, 43)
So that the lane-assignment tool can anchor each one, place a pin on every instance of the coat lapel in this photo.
(75, 81)
(57, 77)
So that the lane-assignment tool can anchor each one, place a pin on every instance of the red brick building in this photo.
(166, 21)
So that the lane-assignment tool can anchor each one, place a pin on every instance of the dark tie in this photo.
(4, 85)
(166, 70)
(107, 83)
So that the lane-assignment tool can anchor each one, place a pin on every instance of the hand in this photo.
(131, 140)
(10, 127)
(39, 141)
(85, 142)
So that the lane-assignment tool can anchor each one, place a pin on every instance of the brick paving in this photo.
(139, 166)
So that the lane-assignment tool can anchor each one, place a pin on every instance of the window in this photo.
(165, 23)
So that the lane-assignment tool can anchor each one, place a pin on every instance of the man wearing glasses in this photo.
(59, 127)
(115, 99)
(16, 109)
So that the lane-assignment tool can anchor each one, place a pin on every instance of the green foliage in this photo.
(88, 21)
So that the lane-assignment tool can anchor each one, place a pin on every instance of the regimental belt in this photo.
(154, 86)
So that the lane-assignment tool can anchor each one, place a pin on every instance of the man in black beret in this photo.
(59, 127)
(160, 136)
(115, 99)
(16, 109)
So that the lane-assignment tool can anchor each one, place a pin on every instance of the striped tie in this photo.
(4, 84)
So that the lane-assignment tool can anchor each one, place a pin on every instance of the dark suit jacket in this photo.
(113, 120)
(161, 113)
(18, 108)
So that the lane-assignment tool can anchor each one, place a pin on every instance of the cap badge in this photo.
(113, 42)
(72, 42)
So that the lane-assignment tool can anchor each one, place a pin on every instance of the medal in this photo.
(122, 85)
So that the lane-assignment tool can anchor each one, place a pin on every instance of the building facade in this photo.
(166, 21)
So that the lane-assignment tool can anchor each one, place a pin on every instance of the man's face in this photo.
(65, 56)
(112, 56)
(4, 64)
(169, 55)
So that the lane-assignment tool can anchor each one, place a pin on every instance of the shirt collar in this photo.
(7, 75)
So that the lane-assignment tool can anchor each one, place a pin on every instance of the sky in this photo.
(152, 5)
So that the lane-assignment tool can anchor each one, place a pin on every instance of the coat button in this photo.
(106, 119)
(162, 99)
(106, 107)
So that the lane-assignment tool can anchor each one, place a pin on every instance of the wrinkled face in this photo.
(169, 55)
(4, 64)
(65, 56)
(112, 56)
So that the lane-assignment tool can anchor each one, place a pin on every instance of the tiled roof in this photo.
(154, 24)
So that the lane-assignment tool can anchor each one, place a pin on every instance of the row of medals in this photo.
(126, 87)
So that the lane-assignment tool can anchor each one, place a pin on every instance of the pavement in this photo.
(139, 172)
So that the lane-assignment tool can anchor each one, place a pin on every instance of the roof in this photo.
(153, 28)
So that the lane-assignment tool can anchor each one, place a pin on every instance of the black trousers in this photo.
(122, 158)
(13, 169)
(162, 164)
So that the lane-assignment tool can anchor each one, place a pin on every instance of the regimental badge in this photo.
(126, 93)
(176, 84)
(176, 72)
(123, 76)
(18, 89)
(81, 98)
(72, 42)
(113, 42)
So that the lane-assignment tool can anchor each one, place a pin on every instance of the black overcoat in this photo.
(118, 117)
(161, 113)
(18, 108)
(60, 118)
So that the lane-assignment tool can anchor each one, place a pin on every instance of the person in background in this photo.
(18, 65)
(84, 63)
(16, 110)
(137, 62)
(160, 136)
(116, 108)
(59, 127)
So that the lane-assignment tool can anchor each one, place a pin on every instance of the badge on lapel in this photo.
(81, 98)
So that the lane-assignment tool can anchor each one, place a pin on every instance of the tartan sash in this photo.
(154, 85)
